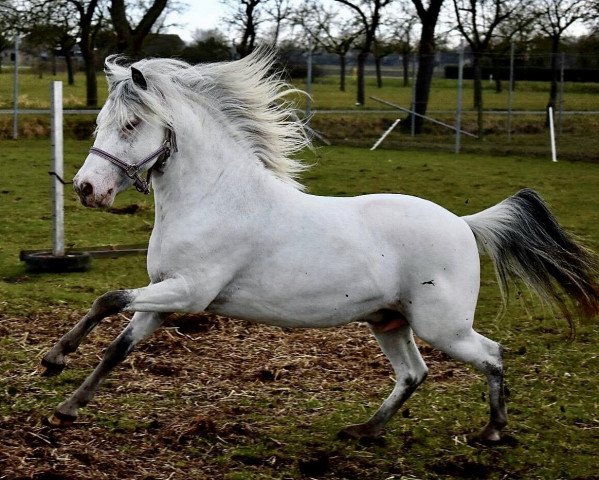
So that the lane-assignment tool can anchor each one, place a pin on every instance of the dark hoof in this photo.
(503, 441)
(364, 433)
(60, 420)
(50, 369)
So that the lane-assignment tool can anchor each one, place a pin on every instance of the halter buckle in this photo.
(131, 171)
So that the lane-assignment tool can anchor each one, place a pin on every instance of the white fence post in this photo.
(552, 135)
(58, 169)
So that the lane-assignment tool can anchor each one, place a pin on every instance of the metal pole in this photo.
(510, 94)
(430, 119)
(15, 92)
(458, 115)
(309, 80)
(561, 95)
(57, 160)
(413, 117)
(552, 136)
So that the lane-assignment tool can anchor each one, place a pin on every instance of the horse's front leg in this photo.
(167, 296)
(108, 304)
(149, 303)
(141, 326)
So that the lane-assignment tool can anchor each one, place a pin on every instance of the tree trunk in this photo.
(68, 59)
(91, 88)
(129, 39)
(360, 93)
(497, 75)
(342, 64)
(424, 78)
(379, 76)
(478, 92)
(405, 61)
(554, 76)
(426, 57)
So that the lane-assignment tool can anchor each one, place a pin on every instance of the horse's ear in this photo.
(138, 78)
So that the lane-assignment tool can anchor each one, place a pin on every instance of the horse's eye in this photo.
(130, 126)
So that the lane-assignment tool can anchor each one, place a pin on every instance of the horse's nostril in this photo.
(86, 189)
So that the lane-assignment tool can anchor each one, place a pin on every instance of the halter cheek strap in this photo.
(132, 170)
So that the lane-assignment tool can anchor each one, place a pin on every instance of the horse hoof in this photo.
(359, 432)
(61, 420)
(51, 369)
(487, 436)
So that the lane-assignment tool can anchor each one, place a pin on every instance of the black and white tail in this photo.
(525, 242)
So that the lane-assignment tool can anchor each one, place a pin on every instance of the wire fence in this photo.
(516, 90)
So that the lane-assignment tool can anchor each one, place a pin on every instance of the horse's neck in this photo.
(210, 169)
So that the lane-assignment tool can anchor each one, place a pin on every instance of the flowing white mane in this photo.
(246, 91)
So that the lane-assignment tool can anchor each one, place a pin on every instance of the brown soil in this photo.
(186, 397)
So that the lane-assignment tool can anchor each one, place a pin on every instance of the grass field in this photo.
(34, 93)
(225, 399)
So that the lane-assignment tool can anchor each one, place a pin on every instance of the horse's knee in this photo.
(111, 303)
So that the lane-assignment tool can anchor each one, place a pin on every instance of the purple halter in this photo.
(169, 145)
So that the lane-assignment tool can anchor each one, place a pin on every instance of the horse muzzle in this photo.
(93, 196)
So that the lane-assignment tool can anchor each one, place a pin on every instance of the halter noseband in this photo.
(169, 145)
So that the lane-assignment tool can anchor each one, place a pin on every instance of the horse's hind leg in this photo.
(141, 326)
(410, 371)
(104, 306)
(486, 356)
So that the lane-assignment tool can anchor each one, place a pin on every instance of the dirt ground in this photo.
(186, 398)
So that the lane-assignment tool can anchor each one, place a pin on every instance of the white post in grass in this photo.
(552, 135)
(384, 135)
(57, 167)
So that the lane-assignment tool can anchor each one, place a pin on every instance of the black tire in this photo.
(45, 262)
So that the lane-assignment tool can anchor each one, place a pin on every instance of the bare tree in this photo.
(330, 31)
(8, 22)
(130, 38)
(426, 56)
(244, 16)
(382, 47)
(402, 26)
(54, 24)
(554, 17)
(517, 30)
(368, 12)
(477, 21)
(278, 11)
(90, 18)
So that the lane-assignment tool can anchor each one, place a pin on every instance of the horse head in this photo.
(131, 139)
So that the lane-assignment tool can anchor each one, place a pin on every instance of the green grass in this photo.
(527, 95)
(34, 92)
(444, 178)
(25, 209)
(553, 383)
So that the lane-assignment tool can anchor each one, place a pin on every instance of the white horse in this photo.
(234, 234)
